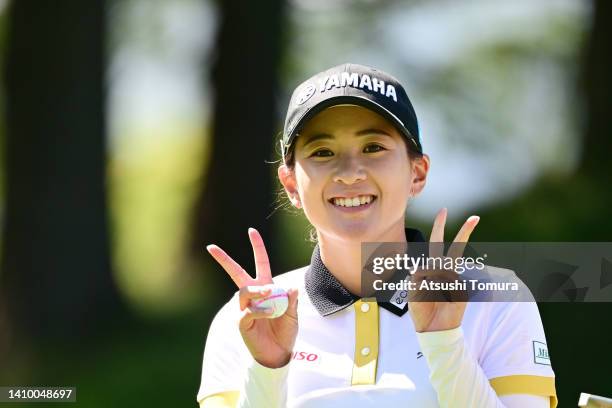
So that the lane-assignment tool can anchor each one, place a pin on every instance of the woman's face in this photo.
(352, 174)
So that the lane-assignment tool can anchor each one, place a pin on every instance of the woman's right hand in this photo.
(270, 341)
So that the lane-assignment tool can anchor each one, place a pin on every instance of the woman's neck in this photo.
(343, 258)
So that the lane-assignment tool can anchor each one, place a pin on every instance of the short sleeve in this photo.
(224, 353)
(515, 355)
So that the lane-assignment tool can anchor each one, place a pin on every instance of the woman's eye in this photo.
(373, 148)
(322, 153)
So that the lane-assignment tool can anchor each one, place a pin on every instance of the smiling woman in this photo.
(352, 159)
(343, 153)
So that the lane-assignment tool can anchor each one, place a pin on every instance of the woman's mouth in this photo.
(357, 202)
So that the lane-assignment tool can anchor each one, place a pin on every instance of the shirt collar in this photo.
(329, 296)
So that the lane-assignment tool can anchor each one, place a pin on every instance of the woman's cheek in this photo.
(395, 199)
(306, 197)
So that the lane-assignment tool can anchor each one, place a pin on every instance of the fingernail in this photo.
(251, 229)
(209, 246)
(268, 311)
(474, 218)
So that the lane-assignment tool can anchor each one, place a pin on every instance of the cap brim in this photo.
(352, 100)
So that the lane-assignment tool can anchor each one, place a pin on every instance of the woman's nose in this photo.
(350, 170)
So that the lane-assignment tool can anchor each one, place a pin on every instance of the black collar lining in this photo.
(328, 295)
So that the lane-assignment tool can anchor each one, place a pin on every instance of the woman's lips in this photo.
(353, 204)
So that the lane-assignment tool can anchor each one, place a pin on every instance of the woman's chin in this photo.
(356, 232)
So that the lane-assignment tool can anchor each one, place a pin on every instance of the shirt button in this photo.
(365, 307)
(365, 351)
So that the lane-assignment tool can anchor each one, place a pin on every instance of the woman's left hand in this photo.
(445, 315)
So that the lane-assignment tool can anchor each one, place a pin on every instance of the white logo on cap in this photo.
(305, 94)
(353, 79)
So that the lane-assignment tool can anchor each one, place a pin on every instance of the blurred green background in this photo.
(135, 132)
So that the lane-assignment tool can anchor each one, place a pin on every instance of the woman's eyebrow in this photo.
(322, 136)
(372, 131)
(316, 136)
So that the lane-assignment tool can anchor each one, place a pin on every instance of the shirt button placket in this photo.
(366, 342)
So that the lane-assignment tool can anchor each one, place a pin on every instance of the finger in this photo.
(240, 277)
(434, 275)
(250, 315)
(430, 293)
(248, 293)
(460, 241)
(437, 234)
(293, 302)
(262, 263)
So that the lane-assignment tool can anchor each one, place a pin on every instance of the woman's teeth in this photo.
(354, 201)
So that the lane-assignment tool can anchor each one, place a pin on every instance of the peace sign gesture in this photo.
(445, 315)
(270, 341)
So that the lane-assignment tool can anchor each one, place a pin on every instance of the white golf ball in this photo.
(277, 300)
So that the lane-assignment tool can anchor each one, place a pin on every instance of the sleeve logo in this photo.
(540, 353)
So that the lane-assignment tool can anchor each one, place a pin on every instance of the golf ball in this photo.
(277, 300)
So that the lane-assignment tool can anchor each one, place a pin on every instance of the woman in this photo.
(352, 159)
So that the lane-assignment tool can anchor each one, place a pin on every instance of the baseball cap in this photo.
(353, 84)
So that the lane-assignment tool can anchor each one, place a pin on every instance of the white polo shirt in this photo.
(353, 352)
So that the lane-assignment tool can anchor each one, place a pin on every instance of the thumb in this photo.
(293, 302)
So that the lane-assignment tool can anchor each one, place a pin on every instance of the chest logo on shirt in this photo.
(540, 353)
(304, 355)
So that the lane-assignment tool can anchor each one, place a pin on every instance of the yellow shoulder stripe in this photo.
(228, 399)
(526, 384)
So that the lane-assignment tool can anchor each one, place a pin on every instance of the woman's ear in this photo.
(287, 179)
(420, 168)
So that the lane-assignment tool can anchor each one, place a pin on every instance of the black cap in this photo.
(351, 84)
